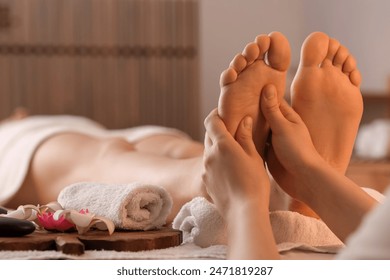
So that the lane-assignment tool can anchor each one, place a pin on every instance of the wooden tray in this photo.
(73, 243)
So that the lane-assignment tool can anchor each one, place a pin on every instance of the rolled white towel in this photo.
(201, 223)
(133, 206)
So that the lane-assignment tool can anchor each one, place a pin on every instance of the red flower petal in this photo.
(47, 221)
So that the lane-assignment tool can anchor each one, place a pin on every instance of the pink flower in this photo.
(47, 221)
(84, 211)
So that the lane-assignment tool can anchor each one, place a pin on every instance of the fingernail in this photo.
(248, 122)
(269, 94)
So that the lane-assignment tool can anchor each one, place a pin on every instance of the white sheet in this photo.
(20, 138)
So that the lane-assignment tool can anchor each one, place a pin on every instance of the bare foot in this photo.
(326, 94)
(262, 62)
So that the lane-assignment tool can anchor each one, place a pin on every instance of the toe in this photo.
(355, 77)
(263, 41)
(238, 63)
(334, 45)
(314, 49)
(340, 57)
(349, 64)
(228, 76)
(278, 54)
(251, 52)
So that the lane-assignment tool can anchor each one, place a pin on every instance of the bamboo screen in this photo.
(122, 63)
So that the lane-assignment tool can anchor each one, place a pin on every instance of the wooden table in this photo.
(73, 243)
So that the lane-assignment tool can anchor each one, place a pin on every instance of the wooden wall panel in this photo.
(120, 62)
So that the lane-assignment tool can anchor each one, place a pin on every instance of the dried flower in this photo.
(47, 221)
(53, 217)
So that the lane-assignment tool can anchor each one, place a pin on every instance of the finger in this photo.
(215, 127)
(244, 135)
(288, 112)
(270, 107)
(274, 112)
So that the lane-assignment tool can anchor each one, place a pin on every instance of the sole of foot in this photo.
(326, 94)
(264, 61)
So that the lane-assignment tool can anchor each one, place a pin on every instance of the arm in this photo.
(250, 233)
(239, 186)
(336, 199)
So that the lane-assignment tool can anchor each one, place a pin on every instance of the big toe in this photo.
(279, 54)
(314, 49)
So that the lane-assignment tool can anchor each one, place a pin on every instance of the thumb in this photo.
(244, 135)
(271, 108)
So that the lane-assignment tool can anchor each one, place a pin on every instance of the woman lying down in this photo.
(40, 155)
(307, 155)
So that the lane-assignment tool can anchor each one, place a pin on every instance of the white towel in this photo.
(294, 228)
(202, 224)
(19, 140)
(133, 206)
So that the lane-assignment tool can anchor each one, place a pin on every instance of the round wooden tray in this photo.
(73, 243)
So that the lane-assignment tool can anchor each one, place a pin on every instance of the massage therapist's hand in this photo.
(292, 148)
(234, 171)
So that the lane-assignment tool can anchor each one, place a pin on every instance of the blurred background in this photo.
(134, 62)
(362, 26)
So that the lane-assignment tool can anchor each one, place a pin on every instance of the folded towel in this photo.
(292, 227)
(133, 206)
(202, 224)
